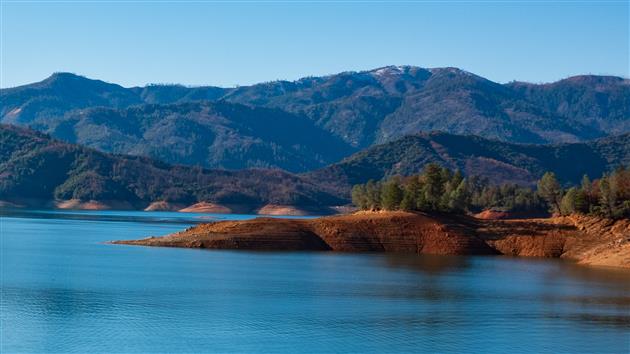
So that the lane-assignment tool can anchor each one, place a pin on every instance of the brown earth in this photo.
(491, 214)
(586, 240)
(201, 207)
(379, 232)
(76, 204)
(274, 209)
(164, 206)
(205, 207)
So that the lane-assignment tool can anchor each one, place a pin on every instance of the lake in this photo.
(64, 289)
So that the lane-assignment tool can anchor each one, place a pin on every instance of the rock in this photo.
(274, 209)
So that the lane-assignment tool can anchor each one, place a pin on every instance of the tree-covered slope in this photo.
(370, 107)
(208, 134)
(58, 94)
(385, 104)
(35, 167)
(498, 161)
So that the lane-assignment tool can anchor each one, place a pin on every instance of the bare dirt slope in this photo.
(586, 240)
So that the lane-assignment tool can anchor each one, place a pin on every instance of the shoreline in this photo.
(585, 240)
(200, 207)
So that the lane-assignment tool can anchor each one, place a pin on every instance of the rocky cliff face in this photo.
(586, 240)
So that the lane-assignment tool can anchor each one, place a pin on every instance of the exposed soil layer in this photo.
(75, 204)
(361, 232)
(201, 207)
(491, 214)
(204, 207)
(164, 206)
(274, 209)
(586, 240)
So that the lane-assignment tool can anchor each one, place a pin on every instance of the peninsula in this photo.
(584, 239)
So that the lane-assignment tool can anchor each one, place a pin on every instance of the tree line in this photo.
(438, 189)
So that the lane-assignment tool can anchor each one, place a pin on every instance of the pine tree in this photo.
(582, 204)
(457, 178)
(433, 186)
(607, 198)
(568, 203)
(550, 190)
(459, 198)
(392, 195)
(620, 184)
(586, 185)
(373, 195)
(586, 189)
(436, 189)
(411, 194)
(359, 197)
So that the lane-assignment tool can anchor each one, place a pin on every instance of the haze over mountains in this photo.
(310, 123)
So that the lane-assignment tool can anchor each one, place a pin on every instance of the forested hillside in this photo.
(211, 135)
(35, 168)
(499, 162)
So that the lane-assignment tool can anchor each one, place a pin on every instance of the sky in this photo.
(197, 42)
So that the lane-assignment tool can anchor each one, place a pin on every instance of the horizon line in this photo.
(234, 86)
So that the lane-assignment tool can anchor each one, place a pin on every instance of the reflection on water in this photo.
(428, 264)
(126, 216)
(612, 277)
(63, 290)
(129, 216)
(609, 287)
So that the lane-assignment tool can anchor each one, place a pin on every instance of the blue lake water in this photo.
(65, 290)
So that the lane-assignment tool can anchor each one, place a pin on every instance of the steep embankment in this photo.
(361, 232)
(587, 240)
(583, 239)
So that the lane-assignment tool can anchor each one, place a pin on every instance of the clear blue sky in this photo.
(225, 44)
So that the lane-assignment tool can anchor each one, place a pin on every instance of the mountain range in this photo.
(310, 123)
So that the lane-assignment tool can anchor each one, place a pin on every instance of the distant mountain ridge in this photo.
(348, 111)
(208, 134)
(58, 94)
